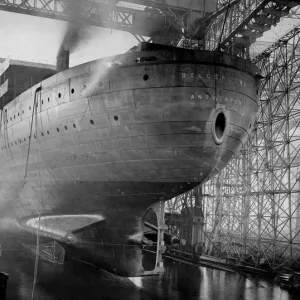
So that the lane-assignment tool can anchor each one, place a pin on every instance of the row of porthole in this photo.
(57, 129)
(59, 96)
(72, 91)
(145, 78)
(74, 125)
(23, 110)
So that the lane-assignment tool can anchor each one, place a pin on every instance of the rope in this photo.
(30, 134)
(26, 171)
(11, 159)
(36, 262)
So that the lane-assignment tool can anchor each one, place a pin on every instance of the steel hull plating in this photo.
(114, 136)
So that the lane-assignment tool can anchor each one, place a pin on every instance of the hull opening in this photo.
(219, 126)
(150, 239)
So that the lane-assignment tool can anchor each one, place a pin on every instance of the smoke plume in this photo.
(75, 30)
(75, 34)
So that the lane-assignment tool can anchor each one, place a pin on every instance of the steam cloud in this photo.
(9, 225)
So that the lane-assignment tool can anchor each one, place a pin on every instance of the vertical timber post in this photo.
(159, 209)
(297, 225)
(198, 222)
(218, 212)
(247, 168)
(3, 284)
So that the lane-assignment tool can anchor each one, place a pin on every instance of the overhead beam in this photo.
(239, 25)
(94, 13)
(220, 31)
(282, 41)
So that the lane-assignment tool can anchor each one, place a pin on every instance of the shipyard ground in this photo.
(77, 280)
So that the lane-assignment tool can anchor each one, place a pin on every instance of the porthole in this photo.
(42, 133)
(48, 132)
(24, 139)
(146, 77)
(18, 114)
(20, 141)
(72, 91)
(48, 99)
(74, 125)
(23, 111)
(59, 95)
(42, 101)
(57, 129)
(219, 126)
(92, 122)
(14, 116)
(29, 107)
(116, 118)
(37, 104)
(66, 128)
(10, 118)
(34, 136)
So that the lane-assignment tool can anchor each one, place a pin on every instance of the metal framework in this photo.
(142, 18)
(252, 209)
(95, 13)
(242, 22)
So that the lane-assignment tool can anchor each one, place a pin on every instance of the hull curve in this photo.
(117, 135)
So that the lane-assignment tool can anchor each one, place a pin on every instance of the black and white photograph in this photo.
(149, 149)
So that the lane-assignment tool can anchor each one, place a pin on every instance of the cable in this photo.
(34, 112)
(30, 133)
(36, 262)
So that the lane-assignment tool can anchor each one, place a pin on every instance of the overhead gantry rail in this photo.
(176, 20)
(163, 21)
(282, 41)
(237, 27)
(234, 27)
(94, 13)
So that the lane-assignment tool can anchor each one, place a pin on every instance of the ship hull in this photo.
(115, 136)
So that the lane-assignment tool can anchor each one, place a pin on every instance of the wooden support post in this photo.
(3, 284)
(218, 212)
(159, 209)
(198, 238)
